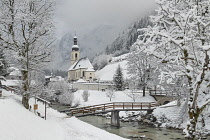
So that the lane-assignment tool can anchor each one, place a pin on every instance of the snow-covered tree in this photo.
(101, 61)
(3, 64)
(85, 95)
(110, 93)
(118, 79)
(180, 38)
(140, 68)
(66, 98)
(61, 89)
(26, 29)
(133, 91)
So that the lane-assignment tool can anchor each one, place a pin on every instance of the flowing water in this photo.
(130, 130)
(133, 130)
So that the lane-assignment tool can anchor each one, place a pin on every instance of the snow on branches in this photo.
(180, 38)
(26, 28)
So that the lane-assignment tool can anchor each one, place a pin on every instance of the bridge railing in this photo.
(163, 92)
(114, 106)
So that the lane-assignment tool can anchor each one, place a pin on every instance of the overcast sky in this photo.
(85, 15)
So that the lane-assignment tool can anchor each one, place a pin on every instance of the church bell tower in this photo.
(75, 53)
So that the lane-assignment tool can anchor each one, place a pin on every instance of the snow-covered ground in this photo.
(17, 123)
(99, 97)
(173, 115)
(108, 71)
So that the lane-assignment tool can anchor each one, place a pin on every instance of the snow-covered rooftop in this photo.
(81, 81)
(81, 63)
(15, 73)
(90, 70)
(47, 76)
(11, 82)
(56, 79)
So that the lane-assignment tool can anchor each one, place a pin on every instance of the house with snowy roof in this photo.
(14, 74)
(81, 68)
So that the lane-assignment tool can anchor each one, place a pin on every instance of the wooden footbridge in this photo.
(114, 108)
(110, 107)
(162, 96)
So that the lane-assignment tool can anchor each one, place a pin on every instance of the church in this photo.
(80, 68)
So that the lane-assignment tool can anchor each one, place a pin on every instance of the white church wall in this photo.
(91, 86)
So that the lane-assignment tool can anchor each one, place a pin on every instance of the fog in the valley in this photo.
(83, 16)
(96, 22)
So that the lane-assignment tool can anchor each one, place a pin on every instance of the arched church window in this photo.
(75, 55)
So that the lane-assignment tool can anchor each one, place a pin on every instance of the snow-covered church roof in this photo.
(81, 63)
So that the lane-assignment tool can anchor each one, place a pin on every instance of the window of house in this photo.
(83, 73)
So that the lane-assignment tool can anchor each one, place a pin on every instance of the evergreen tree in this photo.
(118, 79)
(3, 68)
(3, 65)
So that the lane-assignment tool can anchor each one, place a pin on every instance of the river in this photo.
(134, 130)
(130, 130)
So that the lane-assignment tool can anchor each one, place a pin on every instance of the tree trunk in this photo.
(25, 100)
(194, 111)
(25, 89)
(144, 91)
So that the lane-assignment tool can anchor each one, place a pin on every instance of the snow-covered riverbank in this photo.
(17, 123)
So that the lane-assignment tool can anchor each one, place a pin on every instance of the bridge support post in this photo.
(149, 111)
(115, 119)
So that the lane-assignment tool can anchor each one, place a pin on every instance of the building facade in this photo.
(80, 68)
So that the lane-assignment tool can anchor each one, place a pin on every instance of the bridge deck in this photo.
(109, 107)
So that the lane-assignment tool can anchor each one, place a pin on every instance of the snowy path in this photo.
(17, 123)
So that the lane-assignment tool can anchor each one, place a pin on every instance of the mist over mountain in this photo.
(90, 44)
(104, 39)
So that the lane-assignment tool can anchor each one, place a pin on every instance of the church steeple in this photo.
(75, 47)
(75, 53)
(75, 40)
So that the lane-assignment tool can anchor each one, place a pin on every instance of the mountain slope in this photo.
(107, 73)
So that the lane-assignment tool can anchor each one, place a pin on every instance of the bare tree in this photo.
(141, 69)
(26, 29)
(110, 93)
(133, 91)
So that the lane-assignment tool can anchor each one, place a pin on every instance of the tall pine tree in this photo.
(3, 65)
(118, 79)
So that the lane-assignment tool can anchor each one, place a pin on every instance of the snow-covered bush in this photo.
(85, 95)
(66, 98)
(61, 89)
